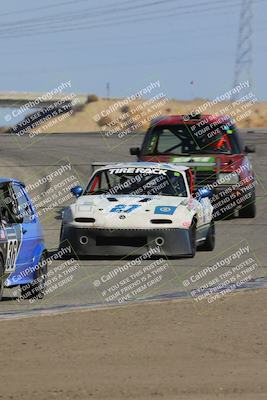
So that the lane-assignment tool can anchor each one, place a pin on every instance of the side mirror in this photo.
(250, 149)
(135, 151)
(77, 191)
(204, 192)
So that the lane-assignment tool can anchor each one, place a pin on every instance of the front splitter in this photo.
(173, 242)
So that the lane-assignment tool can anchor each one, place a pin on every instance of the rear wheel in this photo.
(61, 234)
(209, 243)
(36, 289)
(2, 270)
(249, 210)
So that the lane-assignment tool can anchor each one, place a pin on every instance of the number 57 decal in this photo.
(124, 208)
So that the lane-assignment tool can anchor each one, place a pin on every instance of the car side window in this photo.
(241, 143)
(167, 140)
(25, 207)
(7, 205)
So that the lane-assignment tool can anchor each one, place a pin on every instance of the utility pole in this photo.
(108, 90)
(244, 56)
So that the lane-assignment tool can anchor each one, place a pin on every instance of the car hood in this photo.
(128, 211)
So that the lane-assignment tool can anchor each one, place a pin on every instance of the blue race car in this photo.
(24, 262)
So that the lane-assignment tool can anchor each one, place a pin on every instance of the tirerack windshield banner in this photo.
(155, 171)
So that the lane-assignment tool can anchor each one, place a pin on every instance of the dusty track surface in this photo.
(160, 351)
(167, 350)
(31, 161)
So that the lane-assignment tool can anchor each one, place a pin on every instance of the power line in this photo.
(112, 8)
(151, 36)
(64, 3)
(33, 9)
(88, 14)
(27, 32)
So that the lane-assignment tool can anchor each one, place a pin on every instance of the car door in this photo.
(10, 229)
(30, 226)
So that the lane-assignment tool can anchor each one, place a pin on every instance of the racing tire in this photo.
(2, 281)
(36, 289)
(209, 243)
(193, 238)
(249, 210)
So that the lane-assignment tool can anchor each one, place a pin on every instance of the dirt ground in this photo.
(147, 351)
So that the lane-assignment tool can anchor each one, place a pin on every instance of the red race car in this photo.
(214, 142)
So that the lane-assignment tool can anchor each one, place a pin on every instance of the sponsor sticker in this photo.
(165, 210)
(131, 170)
(124, 208)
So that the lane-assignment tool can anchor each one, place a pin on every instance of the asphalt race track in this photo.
(31, 160)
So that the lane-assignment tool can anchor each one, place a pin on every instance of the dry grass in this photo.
(132, 114)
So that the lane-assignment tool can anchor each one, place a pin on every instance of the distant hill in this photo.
(110, 114)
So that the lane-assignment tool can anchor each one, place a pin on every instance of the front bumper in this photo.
(173, 242)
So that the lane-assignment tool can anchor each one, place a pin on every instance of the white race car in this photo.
(130, 207)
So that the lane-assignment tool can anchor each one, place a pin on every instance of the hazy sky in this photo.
(127, 43)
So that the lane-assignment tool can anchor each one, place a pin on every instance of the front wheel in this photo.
(193, 237)
(36, 289)
(209, 243)
(249, 210)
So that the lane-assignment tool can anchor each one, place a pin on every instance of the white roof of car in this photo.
(172, 167)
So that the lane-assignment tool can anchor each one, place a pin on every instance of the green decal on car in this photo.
(210, 160)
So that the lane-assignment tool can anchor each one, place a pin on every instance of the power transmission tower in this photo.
(244, 56)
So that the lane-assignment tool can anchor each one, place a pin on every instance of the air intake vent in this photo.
(86, 220)
(161, 221)
(112, 199)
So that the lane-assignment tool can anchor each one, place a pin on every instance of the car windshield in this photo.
(189, 139)
(137, 181)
